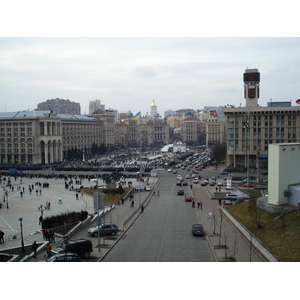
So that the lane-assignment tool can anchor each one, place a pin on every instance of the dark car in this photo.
(197, 229)
(180, 192)
(82, 247)
(64, 257)
(105, 229)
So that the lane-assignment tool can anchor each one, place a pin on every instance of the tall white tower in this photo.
(251, 87)
(153, 112)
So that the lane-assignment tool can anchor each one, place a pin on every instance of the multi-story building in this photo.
(108, 126)
(44, 137)
(95, 105)
(251, 129)
(60, 106)
(191, 129)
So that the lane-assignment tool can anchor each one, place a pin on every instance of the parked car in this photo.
(227, 202)
(82, 247)
(249, 184)
(180, 192)
(195, 180)
(105, 229)
(220, 183)
(232, 196)
(64, 257)
(188, 198)
(197, 229)
(148, 188)
(212, 183)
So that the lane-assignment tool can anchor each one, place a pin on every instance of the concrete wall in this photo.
(283, 170)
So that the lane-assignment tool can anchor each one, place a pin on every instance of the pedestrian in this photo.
(44, 232)
(200, 204)
(49, 205)
(48, 249)
(142, 208)
(40, 219)
(77, 196)
(219, 201)
(122, 201)
(193, 203)
(1, 237)
(132, 203)
(34, 248)
(59, 200)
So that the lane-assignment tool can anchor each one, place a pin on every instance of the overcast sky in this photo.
(127, 73)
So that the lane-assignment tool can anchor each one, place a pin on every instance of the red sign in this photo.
(298, 101)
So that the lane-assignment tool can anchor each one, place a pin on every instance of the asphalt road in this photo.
(163, 232)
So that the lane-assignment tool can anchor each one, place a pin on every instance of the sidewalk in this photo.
(27, 208)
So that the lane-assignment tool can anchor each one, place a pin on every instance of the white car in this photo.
(187, 176)
(148, 188)
(195, 180)
(220, 183)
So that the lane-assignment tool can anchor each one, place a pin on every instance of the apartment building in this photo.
(60, 106)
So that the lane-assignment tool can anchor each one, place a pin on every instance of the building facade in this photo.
(251, 129)
(44, 137)
(60, 106)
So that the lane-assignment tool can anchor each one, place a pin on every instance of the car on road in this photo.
(105, 229)
(223, 173)
(212, 183)
(220, 183)
(64, 257)
(180, 192)
(195, 180)
(197, 229)
(187, 176)
(178, 182)
(188, 198)
(81, 247)
(184, 183)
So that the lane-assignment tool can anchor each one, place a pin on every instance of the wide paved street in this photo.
(163, 232)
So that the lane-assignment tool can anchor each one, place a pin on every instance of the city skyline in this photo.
(129, 73)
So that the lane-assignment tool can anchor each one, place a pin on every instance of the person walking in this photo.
(34, 248)
(200, 204)
(142, 208)
(59, 200)
(1, 237)
(48, 249)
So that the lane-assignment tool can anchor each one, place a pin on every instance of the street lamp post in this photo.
(22, 242)
(247, 136)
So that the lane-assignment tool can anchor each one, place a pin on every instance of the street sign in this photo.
(210, 213)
